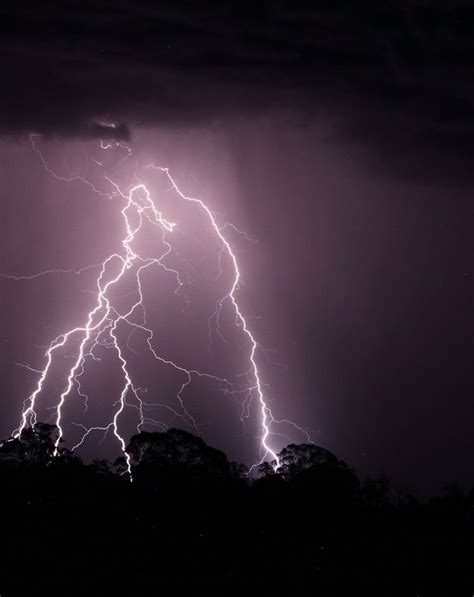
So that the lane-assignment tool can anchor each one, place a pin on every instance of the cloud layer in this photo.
(397, 78)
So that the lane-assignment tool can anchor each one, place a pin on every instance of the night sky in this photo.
(340, 138)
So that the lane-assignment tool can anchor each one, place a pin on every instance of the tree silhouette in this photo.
(35, 445)
(190, 517)
(312, 468)
(177, 453)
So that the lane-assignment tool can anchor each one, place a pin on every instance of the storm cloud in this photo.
(384, 76)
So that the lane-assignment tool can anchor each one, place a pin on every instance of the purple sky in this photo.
(341, 140)
(360, 285)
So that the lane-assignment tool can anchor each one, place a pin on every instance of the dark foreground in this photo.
(191, 521)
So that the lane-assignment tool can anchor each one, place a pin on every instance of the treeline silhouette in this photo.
(193, 521)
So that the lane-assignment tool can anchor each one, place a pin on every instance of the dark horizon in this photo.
(192, 519)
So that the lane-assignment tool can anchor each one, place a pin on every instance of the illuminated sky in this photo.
(340, 141)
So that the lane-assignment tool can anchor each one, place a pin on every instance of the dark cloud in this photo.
(396, 76)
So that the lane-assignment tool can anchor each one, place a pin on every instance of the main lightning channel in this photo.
(102, 321)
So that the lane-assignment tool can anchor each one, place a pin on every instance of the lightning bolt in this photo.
(100, 328)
